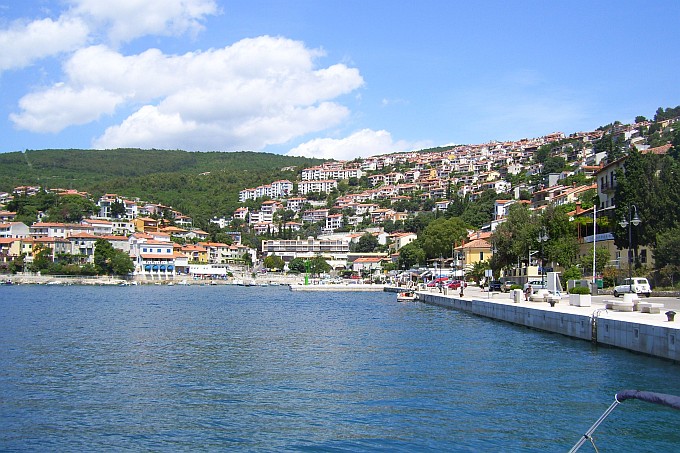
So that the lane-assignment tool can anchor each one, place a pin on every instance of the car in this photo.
(437, 281)
(535, 284)
(637, 285)
(507, 286)
(455, 284)
(495, 285)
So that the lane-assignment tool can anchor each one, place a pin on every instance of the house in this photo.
(195, 253)
(99, 227)
(146, 224)
(218, 253)
(321, 186)
(58, 230)
(368, 265)
(83, 244)
(398, 240)
(153, 259)
(331, 249)
(7, 216)
(10, 249)
(333, 222)
(478, 250)
(14, 230)
(58, 246)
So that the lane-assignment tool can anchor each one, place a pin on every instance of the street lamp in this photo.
(632, 220)
(543, 237)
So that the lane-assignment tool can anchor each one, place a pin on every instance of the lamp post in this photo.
(542, 238)
(630, 221)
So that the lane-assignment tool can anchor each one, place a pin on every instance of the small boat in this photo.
(407, 296)
(649, 397)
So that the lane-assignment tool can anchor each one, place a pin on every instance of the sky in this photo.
(327, 78)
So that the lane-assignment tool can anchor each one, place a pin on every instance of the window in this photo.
(158, 250)
(481, 256)
(643, 256)
(144, 250)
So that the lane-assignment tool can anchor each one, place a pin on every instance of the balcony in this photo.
(608, 187)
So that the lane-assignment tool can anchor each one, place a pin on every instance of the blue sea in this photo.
(214, 368)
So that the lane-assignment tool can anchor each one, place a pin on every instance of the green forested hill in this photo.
(198, 184)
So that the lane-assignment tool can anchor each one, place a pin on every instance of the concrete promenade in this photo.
(651, 334)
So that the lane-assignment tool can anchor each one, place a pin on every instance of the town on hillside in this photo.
(519, 208)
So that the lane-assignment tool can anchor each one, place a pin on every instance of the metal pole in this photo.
(592, 429)
(594, 245)
(630, 254)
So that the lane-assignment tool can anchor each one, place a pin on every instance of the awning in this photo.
(155, 267)
(170, 267)
(163, 267)
(147, 267)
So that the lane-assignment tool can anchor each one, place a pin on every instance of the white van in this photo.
(637, 285)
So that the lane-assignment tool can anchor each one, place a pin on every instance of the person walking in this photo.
(528, 292)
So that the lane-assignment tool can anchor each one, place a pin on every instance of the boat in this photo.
(406, 296)
(650, 397)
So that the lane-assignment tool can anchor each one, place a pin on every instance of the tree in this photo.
(478, 270)
(318, 265)
(601, 261)
(42, 258)
(554, 165)
(109, 261)
(543, 152)
(367, 243)
(439, 236)
(411, 255)
(118, 209)
(273, 262)
(667, 252)
(121, 264)
(297, 265)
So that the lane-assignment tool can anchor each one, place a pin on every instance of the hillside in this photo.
(198, 184)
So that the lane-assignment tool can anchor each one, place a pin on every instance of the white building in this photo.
(320, 186)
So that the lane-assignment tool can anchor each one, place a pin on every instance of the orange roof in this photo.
(369, 259)
(155, 256)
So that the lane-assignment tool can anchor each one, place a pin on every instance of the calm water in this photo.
(265, 369)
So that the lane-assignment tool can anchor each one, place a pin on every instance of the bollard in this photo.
(670, 315)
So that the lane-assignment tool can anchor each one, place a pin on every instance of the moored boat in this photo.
(406, 296)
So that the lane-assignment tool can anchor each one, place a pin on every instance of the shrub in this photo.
(515, 287)
(579, 290)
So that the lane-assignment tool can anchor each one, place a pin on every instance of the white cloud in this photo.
(62, 106)
(22, 44)
(254, 93)
(125, 20)
(121, 21)
(363, 143)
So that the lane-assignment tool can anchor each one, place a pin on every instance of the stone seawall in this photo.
(635, 332)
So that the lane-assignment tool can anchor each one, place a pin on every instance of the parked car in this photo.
(506, 286)
(535, 284)
(637, 285)
(455, 284)
(437, 281)
(495, 285)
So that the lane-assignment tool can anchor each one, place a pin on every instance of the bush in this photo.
(515, 287)
(579, 290)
